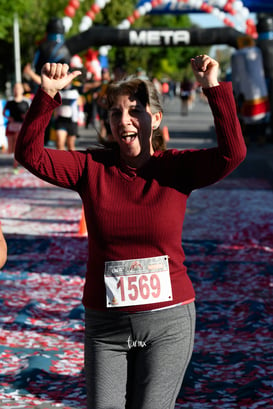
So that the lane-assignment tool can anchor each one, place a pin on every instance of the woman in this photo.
(138, 298)
(15, 110)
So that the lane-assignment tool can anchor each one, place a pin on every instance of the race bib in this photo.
(137, 282)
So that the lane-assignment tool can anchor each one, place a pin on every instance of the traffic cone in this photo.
(165, 133)
(82, 225)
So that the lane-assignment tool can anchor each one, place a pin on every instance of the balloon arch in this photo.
(232, 13)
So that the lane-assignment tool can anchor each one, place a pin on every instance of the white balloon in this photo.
(215, 12)
(191, 3)
(198, 3)
(100, 3)
(124, 25)
(85, 26)
(237, 5)
(86, 20)
(67, 22)
(103, 50)
(245, 12)
(141, 10)
(148, 6)
(221, 15)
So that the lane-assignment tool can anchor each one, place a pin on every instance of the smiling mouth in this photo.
(129, 137)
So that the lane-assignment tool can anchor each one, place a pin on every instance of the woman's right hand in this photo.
(55, 77)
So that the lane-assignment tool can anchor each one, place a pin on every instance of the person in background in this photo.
(15, 110)
(138, 297)
(66, 119)
(90, 92)
(3, 248)
(104, 129)
(186, 95)
(165, 90)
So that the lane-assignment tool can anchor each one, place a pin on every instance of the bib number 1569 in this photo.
(137, 289)
(143, 287)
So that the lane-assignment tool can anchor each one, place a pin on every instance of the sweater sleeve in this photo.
(62, 168)
(203, 167)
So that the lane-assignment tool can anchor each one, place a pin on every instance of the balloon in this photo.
(136, 14)
(198, 3)
(245, 12)
(104, 50)
(216, 12)
(90, 14)
(191, 3)
(131, 19)
(76, 61)
(95, 8)
(154, 3)
(87, 20)
(222, 15)
(148, 7)
(124, 25)
(85, 25)
(237, 5)
(67, 22)
(228, 22)
(74, 3)
(69, 11)
(100, 3)
(142, 10)
(228, 8)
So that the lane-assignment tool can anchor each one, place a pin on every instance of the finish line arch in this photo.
(154, 38)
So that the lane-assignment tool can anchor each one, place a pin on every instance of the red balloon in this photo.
(74, 3)
(95, 8)
(136, 14)
(69, 11)
(131, 19)
(154, 3)
(90, 14)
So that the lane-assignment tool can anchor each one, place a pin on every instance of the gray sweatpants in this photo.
(137, 361)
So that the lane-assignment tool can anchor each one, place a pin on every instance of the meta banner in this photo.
(97, 36)
(159, 37)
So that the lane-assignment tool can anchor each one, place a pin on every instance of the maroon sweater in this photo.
(132, 213)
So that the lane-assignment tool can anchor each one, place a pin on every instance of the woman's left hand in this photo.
(205, 70)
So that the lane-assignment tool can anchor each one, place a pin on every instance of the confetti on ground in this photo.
(228, 241)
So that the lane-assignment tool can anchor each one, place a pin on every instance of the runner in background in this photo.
(66, 118)
(186, 95)
(15, 110)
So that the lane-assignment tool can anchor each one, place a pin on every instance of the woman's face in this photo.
(131, 124)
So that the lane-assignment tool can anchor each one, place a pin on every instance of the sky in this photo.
(206, 20)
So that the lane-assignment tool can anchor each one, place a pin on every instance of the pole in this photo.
(17, 56)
